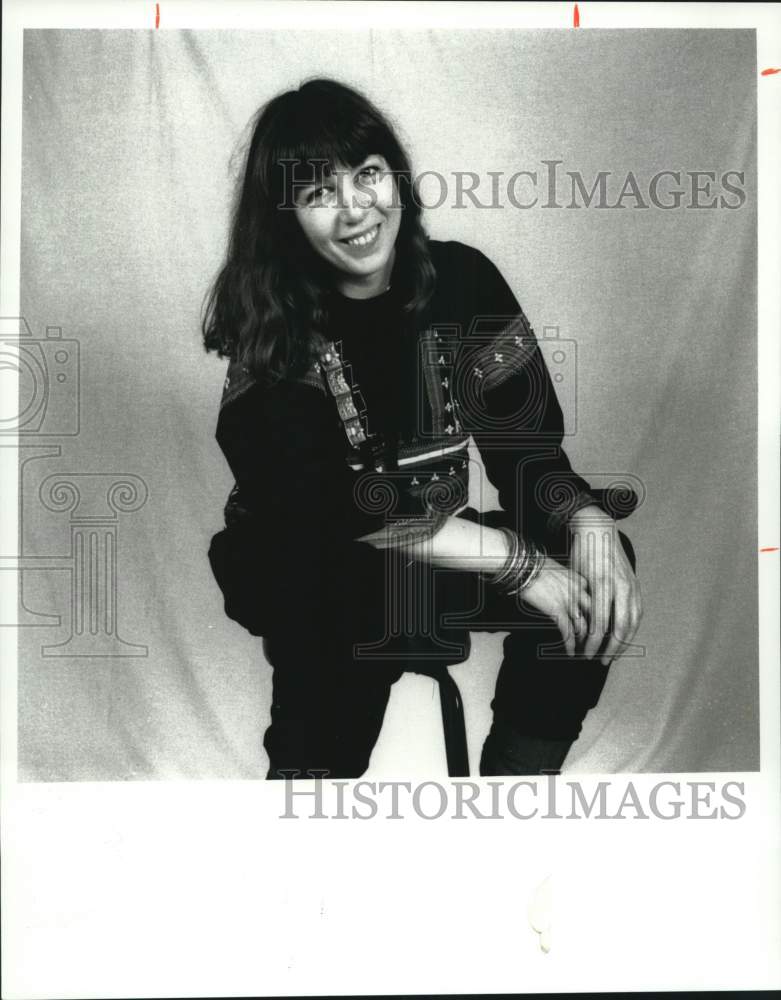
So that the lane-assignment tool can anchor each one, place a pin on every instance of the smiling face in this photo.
(351, 218)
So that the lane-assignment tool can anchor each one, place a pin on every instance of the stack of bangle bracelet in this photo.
(523, 565)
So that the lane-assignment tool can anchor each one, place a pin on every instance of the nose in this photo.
(355, 202)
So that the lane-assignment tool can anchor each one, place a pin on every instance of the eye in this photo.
(370, 173)
(318, 195)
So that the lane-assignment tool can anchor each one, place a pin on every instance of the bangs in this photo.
(313, 158)
(323, 153)
(323, 135)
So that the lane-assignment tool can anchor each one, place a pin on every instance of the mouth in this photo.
(362, 239)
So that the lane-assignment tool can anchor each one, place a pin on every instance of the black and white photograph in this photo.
(593, 289)
(392, 415)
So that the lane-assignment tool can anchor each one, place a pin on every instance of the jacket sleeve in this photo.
(515, 415)
(295, 563)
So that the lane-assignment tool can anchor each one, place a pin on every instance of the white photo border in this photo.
(176, 888)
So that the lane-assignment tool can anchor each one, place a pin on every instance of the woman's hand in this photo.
(598, 556)
(561, 594)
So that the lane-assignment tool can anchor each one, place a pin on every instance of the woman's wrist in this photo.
(522, 565)
(463, 545)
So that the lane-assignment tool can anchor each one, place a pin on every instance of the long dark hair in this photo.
(268, 305)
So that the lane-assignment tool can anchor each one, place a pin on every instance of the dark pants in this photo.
(329, 702)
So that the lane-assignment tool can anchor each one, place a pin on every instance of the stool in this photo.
(453, 723)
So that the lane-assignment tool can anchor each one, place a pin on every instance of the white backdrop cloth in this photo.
(132, 141)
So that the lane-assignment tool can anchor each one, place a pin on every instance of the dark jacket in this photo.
(476, 369)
